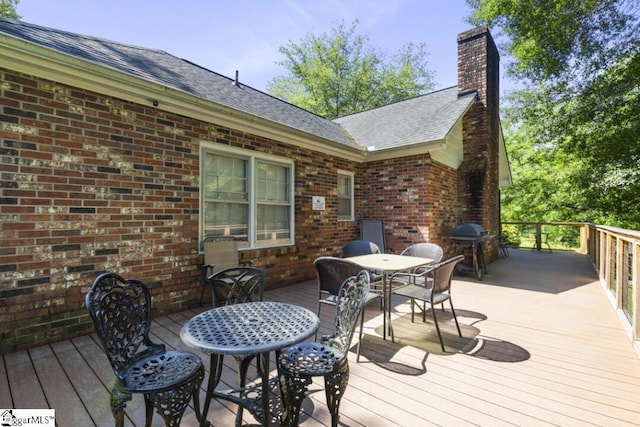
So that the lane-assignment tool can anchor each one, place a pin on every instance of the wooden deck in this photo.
(542, 346)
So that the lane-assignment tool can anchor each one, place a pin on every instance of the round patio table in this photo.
(245, 329)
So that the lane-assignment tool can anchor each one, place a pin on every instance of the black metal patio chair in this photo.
(220, 253)
(332, 272)
(121, 313)
(297, 365)
(235, 285)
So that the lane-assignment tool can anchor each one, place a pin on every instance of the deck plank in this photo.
(5, 392)
(90, 351)
(26, 391)
(448, 395)
(58, 389)
(81, 363)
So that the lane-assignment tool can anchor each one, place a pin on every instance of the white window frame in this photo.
(252, 158)
(350, 175)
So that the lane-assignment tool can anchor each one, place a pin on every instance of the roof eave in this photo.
(421, 148)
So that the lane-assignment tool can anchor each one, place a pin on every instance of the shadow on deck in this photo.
(541, 345)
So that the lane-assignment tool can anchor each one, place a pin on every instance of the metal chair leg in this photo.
(435, 320)
(148, 410)
(171, 404)
(360, 336)
(294, 390)
(119, 399)
(453, 311)
(334, 387)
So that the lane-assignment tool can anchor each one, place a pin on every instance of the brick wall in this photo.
(416, 198)
(90, 183)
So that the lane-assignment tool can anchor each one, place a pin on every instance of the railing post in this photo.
(619, 277)
(635, 285)
(602, 237)
(538, 236)
(611, 274)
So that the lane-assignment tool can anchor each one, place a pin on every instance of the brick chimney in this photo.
(479, 70)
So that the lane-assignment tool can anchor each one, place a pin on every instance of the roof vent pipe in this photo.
(236, 82)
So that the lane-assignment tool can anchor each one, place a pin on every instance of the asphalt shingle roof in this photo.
(418, 120)
(421, 119)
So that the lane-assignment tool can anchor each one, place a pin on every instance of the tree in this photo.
(337, 74)
(583, 107)
(8, 9)
(562, 39)
(542, 172)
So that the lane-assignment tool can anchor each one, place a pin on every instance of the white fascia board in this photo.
(30, 59)
(418, 149)
(452, 153)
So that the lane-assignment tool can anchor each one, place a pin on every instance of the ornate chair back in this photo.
(237, 285)
(121, 313)
(351, 299)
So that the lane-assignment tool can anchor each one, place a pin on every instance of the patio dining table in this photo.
(241, 330)
(388, 264)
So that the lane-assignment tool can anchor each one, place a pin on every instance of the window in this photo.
(273, 203)
(248, 196)
(345, 196)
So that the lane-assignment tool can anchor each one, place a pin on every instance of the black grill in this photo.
(469, 231)
(470, 237)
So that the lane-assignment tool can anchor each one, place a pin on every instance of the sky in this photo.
(245, 35)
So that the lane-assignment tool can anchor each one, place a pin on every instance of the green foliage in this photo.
(8, 9)
(543, 174)
(511, 235)
(566, 39)
(337, 74)
(574, 138)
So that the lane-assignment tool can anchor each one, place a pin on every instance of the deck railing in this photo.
(563, 236)
(615, 253)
